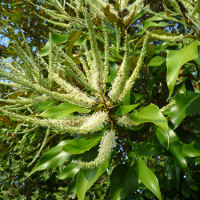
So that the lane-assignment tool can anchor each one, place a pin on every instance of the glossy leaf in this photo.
(52, 158)
(171, 141)
(87, 177)
(150, 113)
(69, 172)
(80, 145)
(176, 59)
(125, 109)
(190, 150)
(63, 110)
(123, 181)
(156, 61)
(185, 105)
(148, 178)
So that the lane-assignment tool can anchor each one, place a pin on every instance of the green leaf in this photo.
(63, 110)
(73, 37)
(150, 113)
(124, 109)
(147, 150)
(113, 73)
(69, 172)
(148, 178)
(190, 150)
(149, 23)
(171, 141)
(43, 106)
(56, 39)
(123, 181)
(45, 50)
(185, 105)
(78, 146)
(176, 59)
(59, 38)
(156, 61)
(87, 177)
(54, 157)
(127, 98)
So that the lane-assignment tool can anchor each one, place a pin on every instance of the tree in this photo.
(109, 108)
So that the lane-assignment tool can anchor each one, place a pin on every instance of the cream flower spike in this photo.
(105, 149)
(94, 123)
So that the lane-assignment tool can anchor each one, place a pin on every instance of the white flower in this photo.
(105, 149)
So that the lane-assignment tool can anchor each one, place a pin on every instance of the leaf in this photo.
(52, 158)
(45, 50)
(110, 16)
(43, 106)
(147, 150)
(63, 110)
(113, 73)
(124, 109)
(190, 150)
(87, 177)
(73, 37)
(185, 105)
(148, 23)
(123, 181)
(150, 113)
(59, 38)
(156, 61)
(127, 98)
(148, 178)
(56, 39)
(171, 141)
(78, 146)
(176, 59)
(69, 172)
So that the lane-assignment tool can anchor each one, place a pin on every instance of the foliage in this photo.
(16, 16)
(109, 108)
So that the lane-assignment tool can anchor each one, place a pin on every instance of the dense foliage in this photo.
(109, 108)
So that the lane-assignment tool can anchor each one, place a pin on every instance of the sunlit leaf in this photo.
(80, 145)
(56, 39)
(148, 178)
(53, 158)
(185, 105)
(63, 110)
(156, 61)
(176, 59)
(191, 150)
(43, 106)
(69, 172)
(124, 109)
(150, 113)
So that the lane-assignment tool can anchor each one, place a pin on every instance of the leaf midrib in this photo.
(181, 112)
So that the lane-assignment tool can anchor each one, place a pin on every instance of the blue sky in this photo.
(4, 40)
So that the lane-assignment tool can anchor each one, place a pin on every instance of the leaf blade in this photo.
(87, 177)
(176, 59)
(62, 110)
(150, 113)
(148, 178)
